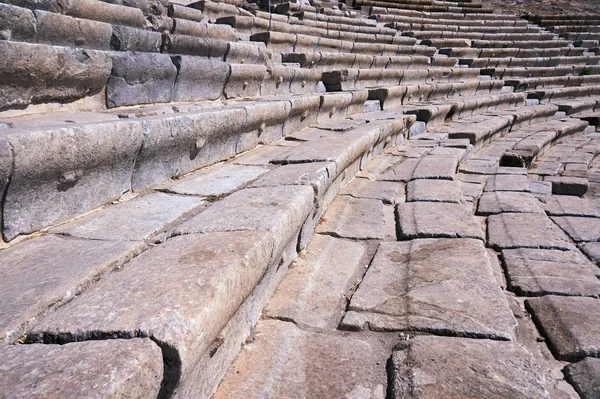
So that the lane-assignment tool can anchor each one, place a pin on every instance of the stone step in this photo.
(443, 34)
(546, 95)
(470, 53)
(327, 61)
(536, 72)
(495, 62)
(522, 84)
(442, 7)
(386, 18)
(299, 43)
(407, 26)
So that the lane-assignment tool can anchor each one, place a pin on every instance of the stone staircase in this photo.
(371, 199)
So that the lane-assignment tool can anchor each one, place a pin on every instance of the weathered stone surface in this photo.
(436, 220)
(457, 368)
(580, 229)
(400, 171)
(279, 211)
(191, 45)
(592, 250)
(312, 293)
(131, 39)
(536, 272)
(284, 362)
(507, 183)
(140, 78)
(564, 185)
(436, 167)
(433, 191)
(180, 293)
(217, 180)
(441, 286)
(138, 219)
(46, 271)
(91, 164)
(318, 175)
(508, 201)
(358, 218)
(16, 23)
(65, 75)
(245, 80)
(585, 377)
(262, 155)
(568, 205)
(178, 144)
(388, 192)
(571, 325)
(117, 368)
(525, 230)
(56, 29)
(199, 79)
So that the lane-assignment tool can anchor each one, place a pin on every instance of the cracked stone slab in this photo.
(571, 325)
(51, 271)
(216, 181)
(436, 167)
(525, 230)
(536, 272)
(280, 211)
(494, 202)
(388, 192)
(357, 218)
(592, 250)
(131, 368)
(180, 294)
(585, 377)
(507, 183)
(440, 286)
(568, 205)
(137, 219)
(580, 229)
(436, 220)
(434, 191)
(283, 361)
(400, 172)
(455, 368)
(312, 293)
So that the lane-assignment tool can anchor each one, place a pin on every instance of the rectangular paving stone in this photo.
(585, 377)
(116, 368)
(536, 272)
(580, 229)
(568, 205)
(592, 250)
(283, 361)
(137, 219)
(281, 211)
(401, 172)
(312, 293)
(507, 183)
(494, 202)
(357, 218)
(180, 294)
(388, 192)
(525, 230)
(436, 220)
(216, 181)
(433, 191)
(440, 286)
(43, 272)
(428, 367)
(436, 167)
(571, 325)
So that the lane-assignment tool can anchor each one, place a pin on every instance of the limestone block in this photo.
(140, 78)
(65, 75)
(525, 230)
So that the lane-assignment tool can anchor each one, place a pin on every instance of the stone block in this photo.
(312, 293)
(565, 185)
(245, 81)
(17, 23)
(527, 230)
(436, 167)
(178, 144)
(204, 30)
(585, 377)
(130, 368)
(96, 10)
(580, 229)
(456, 368)
(247, 53)
(57, 29)
(65, 75)
(571, 325)
(191, 45)
(131, 39)
(199, 79)
(180, 294)
(433, 191)
(141, 78)
(568, 205)
(288, 362)
(357, 218)
(536, 272)
(592, 250)
(51, 271)
(137, 219)
(91, 164)
(436, 220)
(388, 192)
(494, 202)
(460, 296)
